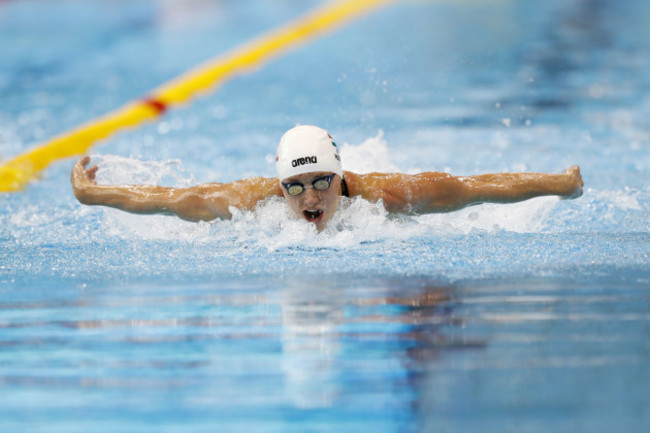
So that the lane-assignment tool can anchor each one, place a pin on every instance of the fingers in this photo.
(574, 169)
(575, 172)
(81, 164)
(91, 172)
(577, 183)
(80, 172)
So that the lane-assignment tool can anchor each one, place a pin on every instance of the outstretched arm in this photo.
(441, 192)
(200, 202)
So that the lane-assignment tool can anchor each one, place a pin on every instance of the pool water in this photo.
(526, 317)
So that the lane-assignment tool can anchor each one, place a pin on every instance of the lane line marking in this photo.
(17, 172)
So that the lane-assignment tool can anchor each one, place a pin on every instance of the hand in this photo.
(575, 183)
(82, 178)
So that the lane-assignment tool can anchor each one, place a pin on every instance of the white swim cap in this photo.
(304, 149)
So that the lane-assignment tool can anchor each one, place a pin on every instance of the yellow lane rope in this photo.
(15, 173)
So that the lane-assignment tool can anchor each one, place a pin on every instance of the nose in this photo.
(312, 196)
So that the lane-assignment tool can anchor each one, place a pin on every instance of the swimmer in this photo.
(311, 180)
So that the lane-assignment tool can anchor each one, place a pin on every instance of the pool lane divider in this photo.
(17, 172)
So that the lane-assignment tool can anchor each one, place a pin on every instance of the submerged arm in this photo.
(440, 192)
(200, 202)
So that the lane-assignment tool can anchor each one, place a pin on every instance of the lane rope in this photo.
(17, 172)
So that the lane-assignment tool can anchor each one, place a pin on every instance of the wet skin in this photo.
(315, 206)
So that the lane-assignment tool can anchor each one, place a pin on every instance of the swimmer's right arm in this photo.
(198, 203)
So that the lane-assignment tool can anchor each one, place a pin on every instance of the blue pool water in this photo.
(531, 317)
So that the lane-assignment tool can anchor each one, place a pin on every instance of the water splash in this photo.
(118, 170)
(369, 156)
(357, 221)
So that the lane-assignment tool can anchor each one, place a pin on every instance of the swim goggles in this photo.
(320, 183)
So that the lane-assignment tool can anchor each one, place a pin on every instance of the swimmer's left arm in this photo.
(432, 192)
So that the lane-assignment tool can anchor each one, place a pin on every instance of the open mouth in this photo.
(313, 215)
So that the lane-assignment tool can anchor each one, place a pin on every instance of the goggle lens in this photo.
(295, 189)
(321, 184)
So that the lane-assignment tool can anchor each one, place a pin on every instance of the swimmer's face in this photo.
(315, 206)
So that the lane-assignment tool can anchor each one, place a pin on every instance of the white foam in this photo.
(529, 216)
(621, 199)
(357, 221)
(153, 227)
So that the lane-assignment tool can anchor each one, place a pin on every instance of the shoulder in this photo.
(361, 182)
(266, 185)
(364, 183)
(400, 192)
(376, 186)
(245, 193)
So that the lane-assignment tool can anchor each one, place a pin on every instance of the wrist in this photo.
(83, 193)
